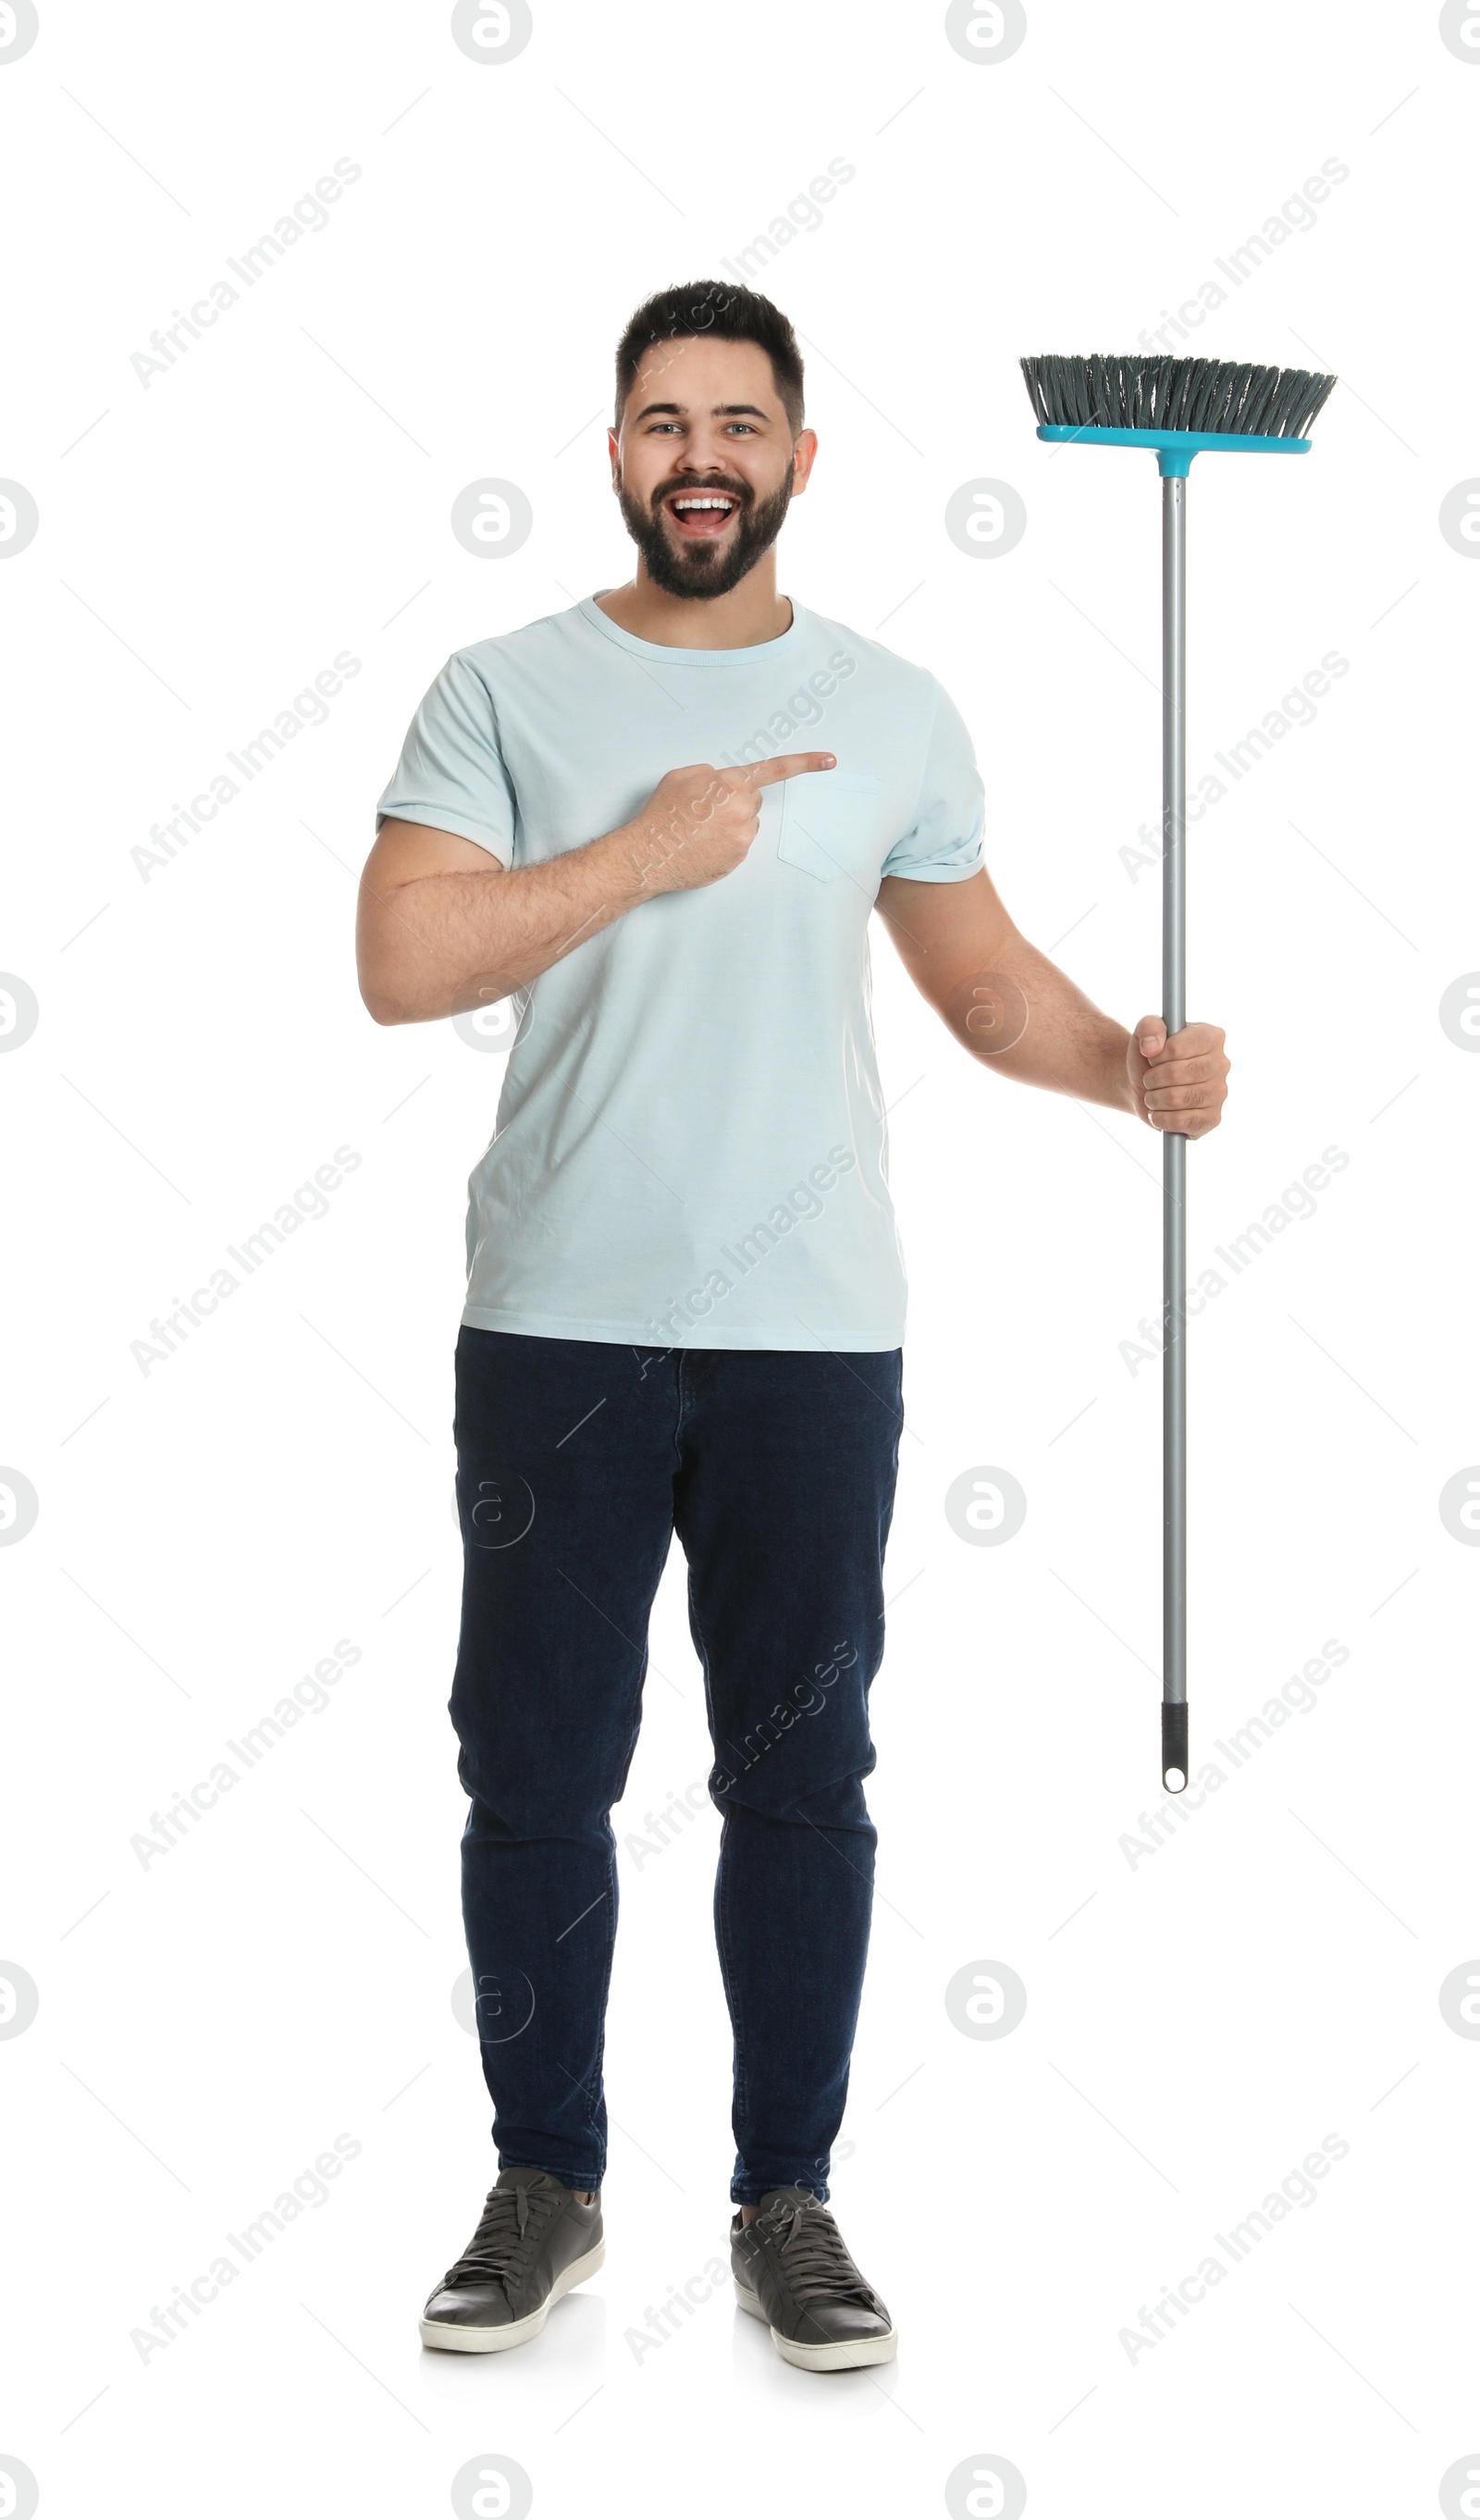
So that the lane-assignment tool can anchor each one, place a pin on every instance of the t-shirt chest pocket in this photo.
(829, 825)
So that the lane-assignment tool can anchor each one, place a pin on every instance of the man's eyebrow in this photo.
(721, 410)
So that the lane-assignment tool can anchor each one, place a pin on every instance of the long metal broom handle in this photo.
(1174, 1157)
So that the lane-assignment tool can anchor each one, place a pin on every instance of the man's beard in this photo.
(704, 568)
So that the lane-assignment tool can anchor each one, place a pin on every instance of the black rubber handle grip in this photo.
(1174, 1747)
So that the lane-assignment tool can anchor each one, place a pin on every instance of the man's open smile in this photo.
(701, 514)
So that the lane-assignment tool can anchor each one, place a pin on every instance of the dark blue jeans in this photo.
(577, 1462)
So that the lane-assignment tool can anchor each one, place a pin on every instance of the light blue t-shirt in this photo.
(689, 1148)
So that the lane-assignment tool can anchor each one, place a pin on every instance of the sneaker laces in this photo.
(814, 2258)
(509, 2231)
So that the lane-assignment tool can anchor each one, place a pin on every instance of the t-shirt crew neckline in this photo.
(790, 637)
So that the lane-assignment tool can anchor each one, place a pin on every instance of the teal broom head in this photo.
(1180, 407)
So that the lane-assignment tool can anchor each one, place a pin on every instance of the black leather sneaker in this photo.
(791, 2270)
(534, 2241)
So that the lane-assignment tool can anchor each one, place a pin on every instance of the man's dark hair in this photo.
(730, 314)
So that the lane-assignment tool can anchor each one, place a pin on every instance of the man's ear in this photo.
(803, 456)
(614, 450)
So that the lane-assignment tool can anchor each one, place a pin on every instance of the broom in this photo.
(1180, 407)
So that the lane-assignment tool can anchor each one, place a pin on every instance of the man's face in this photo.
(706, 464)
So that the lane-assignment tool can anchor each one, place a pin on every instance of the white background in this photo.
(1198, 2018)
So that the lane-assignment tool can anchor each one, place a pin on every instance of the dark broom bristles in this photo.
(1205, 394)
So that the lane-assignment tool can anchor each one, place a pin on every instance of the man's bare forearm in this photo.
(441, 940)
(1003, 999)
(1065, 1045)
(1016, 1012)
(446, 944)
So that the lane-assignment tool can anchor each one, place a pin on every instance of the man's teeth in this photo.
(725, 504)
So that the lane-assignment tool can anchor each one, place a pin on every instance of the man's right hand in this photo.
(445, 927)
(698, 822)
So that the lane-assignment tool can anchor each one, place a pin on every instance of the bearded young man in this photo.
(685, 1299)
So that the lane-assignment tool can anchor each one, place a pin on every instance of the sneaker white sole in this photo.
(455, 2339)
(848, 2355)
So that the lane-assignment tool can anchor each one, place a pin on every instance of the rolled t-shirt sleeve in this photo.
(452, 774)
(944, 842)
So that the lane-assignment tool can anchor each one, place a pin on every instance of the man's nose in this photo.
(705, 455)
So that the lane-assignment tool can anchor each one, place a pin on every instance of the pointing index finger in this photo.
(789, 765)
